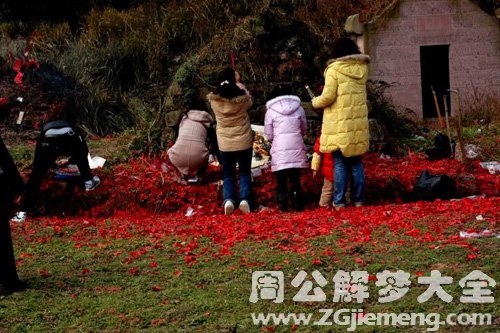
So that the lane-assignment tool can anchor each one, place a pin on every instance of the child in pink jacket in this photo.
(285, 126)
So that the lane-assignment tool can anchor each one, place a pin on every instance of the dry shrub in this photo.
(397, 122)
(6, 30)
(52, 40)
(326, 18)
(124, 61)
(111, 25)
(13, 46)
(481, 106)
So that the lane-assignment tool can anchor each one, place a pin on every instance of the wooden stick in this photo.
(437, 108)
(461, 155)
(447, 121)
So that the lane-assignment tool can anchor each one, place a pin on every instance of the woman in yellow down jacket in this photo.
(344, 131)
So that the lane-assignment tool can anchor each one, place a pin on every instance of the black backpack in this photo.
(430, 187)
(442, 148)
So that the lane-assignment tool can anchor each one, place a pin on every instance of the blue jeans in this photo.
(341, 178)
(228, 161)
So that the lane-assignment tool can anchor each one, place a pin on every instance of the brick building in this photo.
(416, 44)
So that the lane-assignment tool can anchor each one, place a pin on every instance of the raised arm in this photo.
(329, 93)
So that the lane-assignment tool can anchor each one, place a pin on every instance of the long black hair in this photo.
(226, 84)
(343, 47)
(196, 104)
(281, 90)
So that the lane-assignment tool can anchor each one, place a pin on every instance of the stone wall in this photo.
(473, 36)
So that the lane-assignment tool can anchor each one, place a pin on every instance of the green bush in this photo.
(102, 111)
(125, 60)
(149, 125)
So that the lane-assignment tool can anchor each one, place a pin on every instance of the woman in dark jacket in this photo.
(58, 138)
(11, 184)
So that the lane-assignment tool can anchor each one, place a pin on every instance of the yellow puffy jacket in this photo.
(345, 118)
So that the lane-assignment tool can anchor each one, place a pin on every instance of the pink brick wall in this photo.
(473, 36)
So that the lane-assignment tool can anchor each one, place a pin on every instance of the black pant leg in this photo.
(46, 153)
(282, 182)
(11, 184)
(296, 195)
(79, 154)
(295, 180)
(8, 274)
(282, 189)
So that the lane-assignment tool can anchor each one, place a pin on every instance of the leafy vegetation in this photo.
(113, 55)
(117, 52)
(397, 121)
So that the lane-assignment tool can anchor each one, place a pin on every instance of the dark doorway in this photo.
(435, 72)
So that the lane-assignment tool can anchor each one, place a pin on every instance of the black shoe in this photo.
(9, 288)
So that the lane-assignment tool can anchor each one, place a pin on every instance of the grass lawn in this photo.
(84, 279)
(119, 269)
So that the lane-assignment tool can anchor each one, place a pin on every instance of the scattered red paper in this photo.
(153, 191)
(472, 256)
(316, 262)
(44, 273)
(19, 78)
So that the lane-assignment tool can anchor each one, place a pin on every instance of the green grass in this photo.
(486, 138)
(212, 295)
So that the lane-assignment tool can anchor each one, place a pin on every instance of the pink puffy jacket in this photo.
(285, 126)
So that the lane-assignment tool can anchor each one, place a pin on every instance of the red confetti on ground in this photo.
(146, 198)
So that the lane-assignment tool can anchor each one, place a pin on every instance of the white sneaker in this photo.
(20, 217)
(244, 206)
(92, 184)
(193, 179)
(228, 208)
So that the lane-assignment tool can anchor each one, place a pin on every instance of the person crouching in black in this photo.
(11, 185)
(58, 138)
